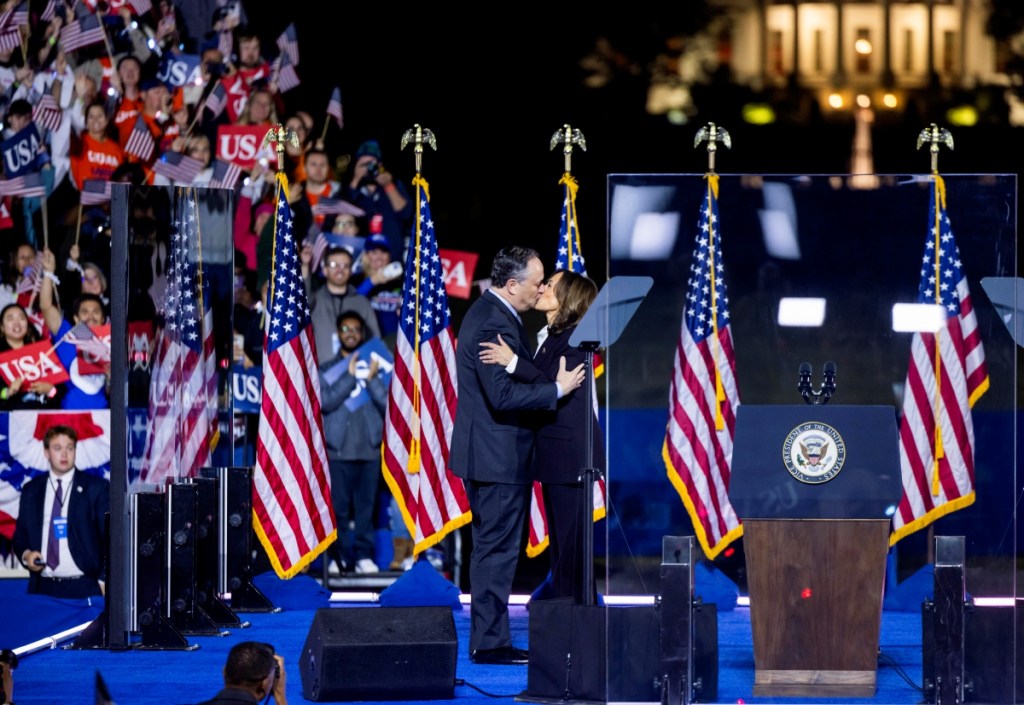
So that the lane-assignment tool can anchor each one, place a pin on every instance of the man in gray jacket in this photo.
(353, 429)
(335, 296)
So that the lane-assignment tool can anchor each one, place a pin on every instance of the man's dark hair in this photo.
(20, 107)
(82, 298)
(335, 250)
(510, 263)
(59, 430)
(249, 663)
(353, 315)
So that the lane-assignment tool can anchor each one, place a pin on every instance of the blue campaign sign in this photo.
(178, 69)
(374, 348)
(246, 388)
(21, 152)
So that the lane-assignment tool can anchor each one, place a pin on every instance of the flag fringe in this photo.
(698, 526)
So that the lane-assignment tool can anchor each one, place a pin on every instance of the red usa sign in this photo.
(457, 267)
(241, 144)
(37, 362)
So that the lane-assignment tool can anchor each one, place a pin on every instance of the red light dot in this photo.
(728, 554)
(805, 593)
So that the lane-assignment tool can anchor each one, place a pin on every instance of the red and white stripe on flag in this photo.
(946, 374)
(423, 396)
(539, 537)
(291, 484)
(703, 395)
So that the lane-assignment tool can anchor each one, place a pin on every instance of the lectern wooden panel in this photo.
(815, 610)
(813, 486)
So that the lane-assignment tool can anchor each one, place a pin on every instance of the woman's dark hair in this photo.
(31, 334)
(574, 293)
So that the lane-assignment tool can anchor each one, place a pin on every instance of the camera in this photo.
(373, 169)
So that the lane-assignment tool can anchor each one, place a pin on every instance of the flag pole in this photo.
(570, 137)
(714, 134)
(417, 136)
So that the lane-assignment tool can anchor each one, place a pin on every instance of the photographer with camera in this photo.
(253, 673)
(384, 199)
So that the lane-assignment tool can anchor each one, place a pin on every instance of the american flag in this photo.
(81, 33)
(334, 108)
(703, 397)
(320, 245)
(178, 167)
(225, 43)
(10, 37)
(291, 484)
(570, 258)
(288, 43)
(336, 206)
(50, 11)
(140, 7)
(217, 100)
(946, 375)
(85, 339)
(225, 174)
(182, 419)
(95, 192)
(27, 186)
(423, 395)
(284, 74)
(47, 113)
(20, 15)
(140, 143)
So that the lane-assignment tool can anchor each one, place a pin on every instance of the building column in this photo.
(888, 79)
(933, 76)
(794, 75)
(762, 25)
(839, 77)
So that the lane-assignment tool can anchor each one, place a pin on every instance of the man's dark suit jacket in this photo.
(490, 442)
(88, 504)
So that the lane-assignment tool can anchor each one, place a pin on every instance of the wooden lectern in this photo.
(814, 487)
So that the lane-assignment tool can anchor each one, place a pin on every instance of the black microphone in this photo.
(828, 387)
(804, 385)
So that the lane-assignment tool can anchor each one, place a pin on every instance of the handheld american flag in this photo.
(284, 73)
(334, 108)
(94, 192)
(182, 419)
(29, 185)
(47, 113)
(291, 484)
(178, 167)
(946, 375)
(225, 174)
(570, 258)
(216, 101)
(423, 395)
(288, 43)
(703, 397)
(140, 142)
(81, 33)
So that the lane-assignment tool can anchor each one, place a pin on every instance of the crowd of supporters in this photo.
(100, 91)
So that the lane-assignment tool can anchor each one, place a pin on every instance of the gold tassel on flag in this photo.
(420, 184)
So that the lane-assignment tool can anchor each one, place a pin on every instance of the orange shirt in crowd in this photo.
(97, 160)
(314, 197)
(124, 119)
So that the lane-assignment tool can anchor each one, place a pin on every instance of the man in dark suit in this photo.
(61, 533)
(491, 446)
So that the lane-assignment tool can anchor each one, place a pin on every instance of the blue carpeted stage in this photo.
(172, 677)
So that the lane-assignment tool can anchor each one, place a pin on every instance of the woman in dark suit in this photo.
(560, 445)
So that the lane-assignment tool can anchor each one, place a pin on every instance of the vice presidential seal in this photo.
(814, 452)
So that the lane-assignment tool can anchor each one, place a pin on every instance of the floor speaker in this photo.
(380, 653)
(592, 652)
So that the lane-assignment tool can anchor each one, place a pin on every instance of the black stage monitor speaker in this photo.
(379, 653)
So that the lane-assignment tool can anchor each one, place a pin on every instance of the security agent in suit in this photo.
(560, 452)
(79, 525)
(491, 446)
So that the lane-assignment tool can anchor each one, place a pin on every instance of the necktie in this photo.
(53, 544)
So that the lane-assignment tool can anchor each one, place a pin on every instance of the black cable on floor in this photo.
(460, 681)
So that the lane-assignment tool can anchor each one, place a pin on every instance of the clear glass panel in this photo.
(814, 266)
(179, 318)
